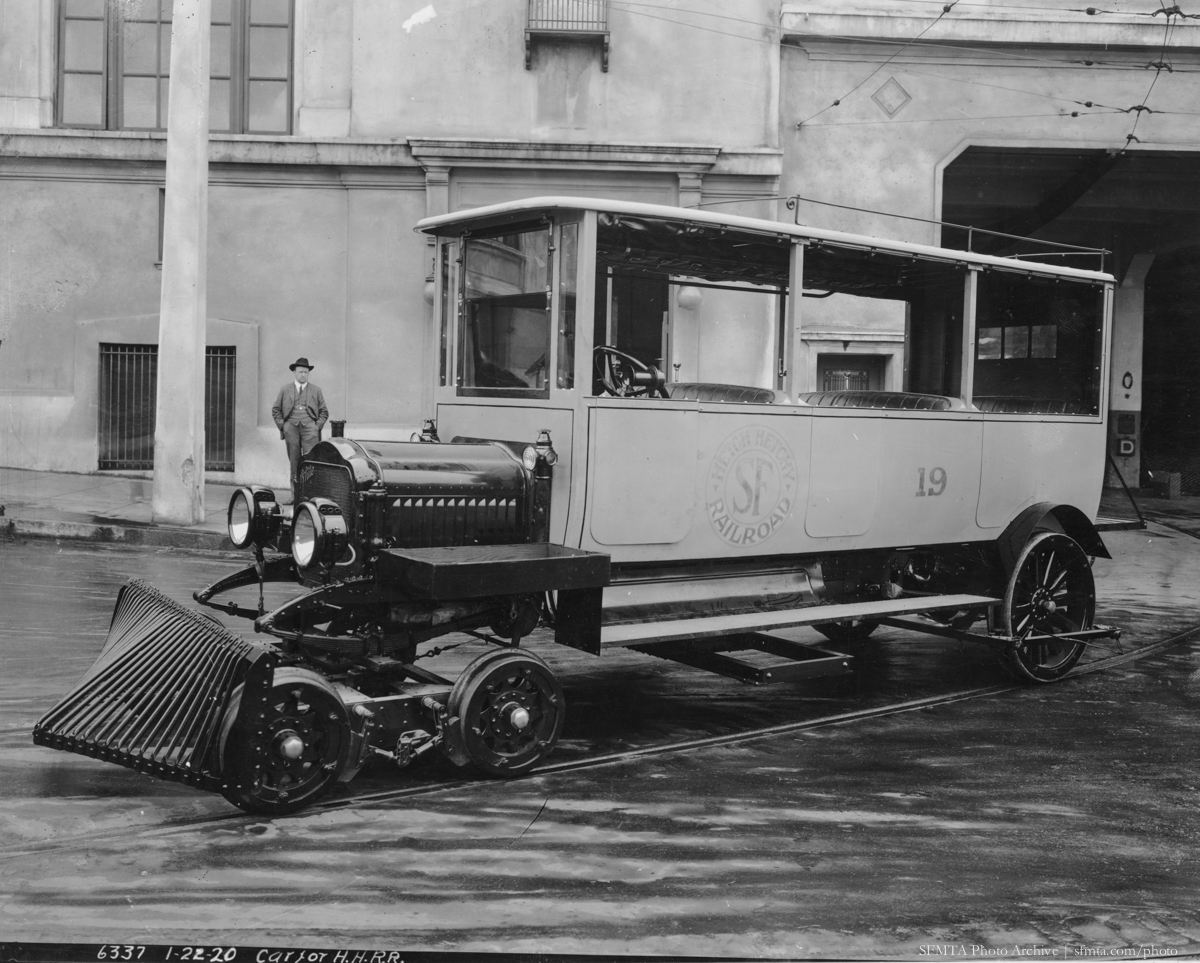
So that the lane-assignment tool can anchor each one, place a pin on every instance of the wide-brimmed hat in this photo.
(300, 363)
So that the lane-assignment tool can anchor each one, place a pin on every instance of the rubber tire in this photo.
(1023, 659)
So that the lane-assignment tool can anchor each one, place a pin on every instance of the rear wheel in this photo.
(1050, 591)
(509, 711)
(289, 758)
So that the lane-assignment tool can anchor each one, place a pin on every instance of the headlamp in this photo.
(253, 517)
(319, 533)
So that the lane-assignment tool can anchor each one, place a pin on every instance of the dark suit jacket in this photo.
(314, 401)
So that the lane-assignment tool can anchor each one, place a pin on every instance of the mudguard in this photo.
(1046, 515)
(155, 699)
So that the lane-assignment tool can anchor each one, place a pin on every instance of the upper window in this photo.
(114, 60)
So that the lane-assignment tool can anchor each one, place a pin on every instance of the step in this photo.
(792, 661)
(615, 636)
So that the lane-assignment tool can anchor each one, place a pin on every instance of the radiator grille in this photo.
(155, 699)
(322, 480)
(428, 521)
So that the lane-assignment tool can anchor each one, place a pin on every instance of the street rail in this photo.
(376, 798)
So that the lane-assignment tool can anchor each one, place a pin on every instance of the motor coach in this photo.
(577, 472)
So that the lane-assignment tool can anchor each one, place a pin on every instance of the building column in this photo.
(1125, 382)
(178, 491)
(690, 187)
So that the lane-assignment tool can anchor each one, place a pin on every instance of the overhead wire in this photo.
(1131, 137)
(1000, 57)
(640, 8)
(946, 8)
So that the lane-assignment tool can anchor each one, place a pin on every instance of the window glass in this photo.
(139, 47)
(1016, 341)
(268, 52)
(144, 9)
(84, 8)
(219, 51)
(83, 100)
(444, 339)
(1051, 358)
(988, 342)
(83, 45)
(140, 102)
(269, 11)
(268, 107)
(218, 105)
(1044, 341)
(567, 270)
(250, 71)
(505, 340)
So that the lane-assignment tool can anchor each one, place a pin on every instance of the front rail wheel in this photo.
(1051, 591)
(509, 711)
(286, 760)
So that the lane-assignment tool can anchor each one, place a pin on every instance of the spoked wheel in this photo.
(1051, 591)
(509, 711)
(850, 630)
(284, 762)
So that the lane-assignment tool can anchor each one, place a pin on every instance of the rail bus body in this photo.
(580, 474)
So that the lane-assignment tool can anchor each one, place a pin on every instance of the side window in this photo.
(1037, 345)
(504, 342)
(115, 57)
(568, 268)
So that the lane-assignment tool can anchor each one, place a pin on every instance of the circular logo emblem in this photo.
(751, 486)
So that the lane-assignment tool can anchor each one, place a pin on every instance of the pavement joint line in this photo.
(388, 795)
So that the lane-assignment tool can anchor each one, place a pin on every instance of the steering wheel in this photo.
(624, 376)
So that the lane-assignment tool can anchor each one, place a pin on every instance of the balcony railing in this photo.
(586, 15)
(567, 21)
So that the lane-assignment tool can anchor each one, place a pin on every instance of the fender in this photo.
(1046, 515)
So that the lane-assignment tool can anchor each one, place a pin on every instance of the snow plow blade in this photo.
(156, 697)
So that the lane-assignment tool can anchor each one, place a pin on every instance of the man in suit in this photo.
(299, 414)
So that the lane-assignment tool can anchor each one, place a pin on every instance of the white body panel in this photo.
(649, 479)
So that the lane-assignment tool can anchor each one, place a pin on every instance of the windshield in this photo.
(506, 319)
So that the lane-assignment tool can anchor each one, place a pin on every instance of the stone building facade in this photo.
(337, 124)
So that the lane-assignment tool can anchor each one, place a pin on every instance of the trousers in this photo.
(299, 434)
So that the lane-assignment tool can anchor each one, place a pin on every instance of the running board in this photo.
(793, 660)
(714, 626)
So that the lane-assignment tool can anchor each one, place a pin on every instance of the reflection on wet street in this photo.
(1060, 816)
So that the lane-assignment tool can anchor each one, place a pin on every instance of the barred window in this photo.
(114, 59)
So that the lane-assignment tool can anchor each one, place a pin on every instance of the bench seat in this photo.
(1012, 405)
(738, 394)
(894, 400)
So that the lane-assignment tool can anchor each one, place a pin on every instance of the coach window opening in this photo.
(861, 289)
(1039, 344)
(517, 293)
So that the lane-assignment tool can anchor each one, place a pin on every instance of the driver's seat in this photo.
(737, 394)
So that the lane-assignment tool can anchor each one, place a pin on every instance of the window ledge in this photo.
(126, 145)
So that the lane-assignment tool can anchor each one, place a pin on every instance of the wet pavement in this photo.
(1059, 818)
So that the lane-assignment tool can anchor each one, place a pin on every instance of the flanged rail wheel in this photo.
(509, 711)
(288, 759)
(1051, 590)
(849, 630)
